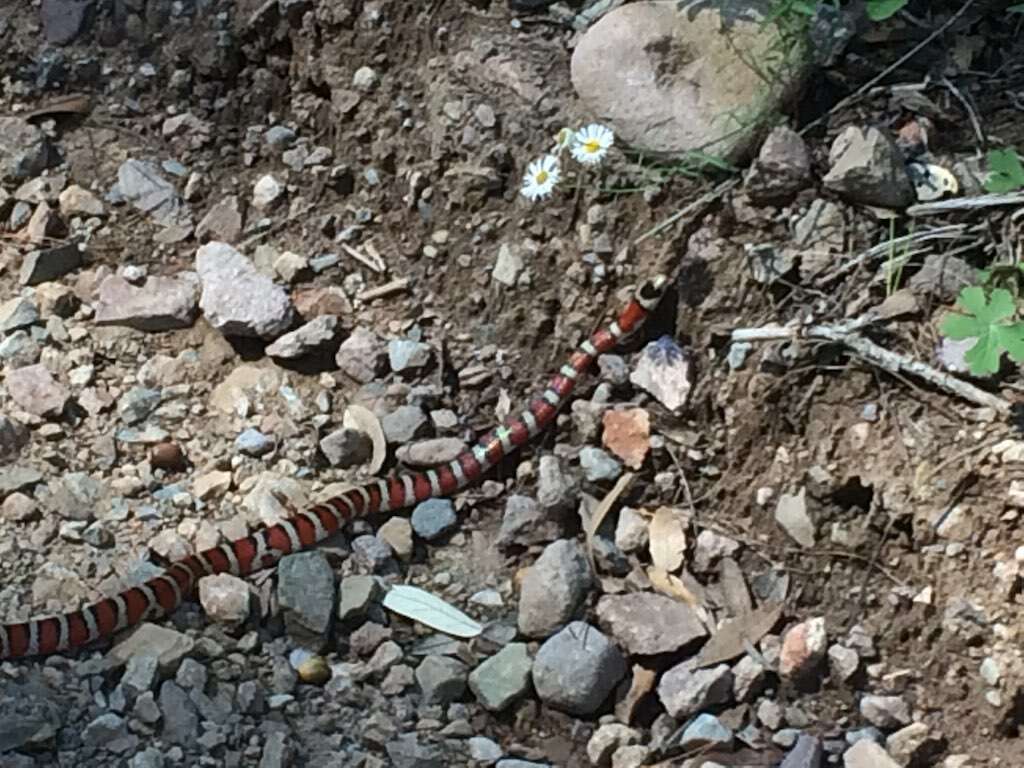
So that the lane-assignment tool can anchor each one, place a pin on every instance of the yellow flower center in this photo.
(541, 176)
(590, 146)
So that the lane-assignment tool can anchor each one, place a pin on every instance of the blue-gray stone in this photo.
(577, 668)
(807, 753)
(706, 730)
(502, 679)
(433, 517)
(599, 465)
(136, 405)
(252, 442)
(305, 591)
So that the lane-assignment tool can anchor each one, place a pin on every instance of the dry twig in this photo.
(893, 362)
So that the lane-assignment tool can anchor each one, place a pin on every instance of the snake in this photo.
(262, 549)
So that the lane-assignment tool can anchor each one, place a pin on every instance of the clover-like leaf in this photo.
(1006, 174)
(989, 319)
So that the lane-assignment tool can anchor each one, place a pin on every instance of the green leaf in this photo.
(986, 320)
(880, 10)
(1006, 173)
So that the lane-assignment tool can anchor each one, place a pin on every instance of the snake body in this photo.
(263, 548)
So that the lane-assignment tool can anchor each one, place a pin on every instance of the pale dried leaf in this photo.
(671, 585)
(734, 587)
(362, 419)
(428, 609)
(642, 683)
(733, 636)
(504, 405)
(667, 539)
(591, 525)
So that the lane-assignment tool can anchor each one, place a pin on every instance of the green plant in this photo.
(1006, 174)
(992, 320)
(880, 10)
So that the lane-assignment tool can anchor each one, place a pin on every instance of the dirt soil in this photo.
(433, 155)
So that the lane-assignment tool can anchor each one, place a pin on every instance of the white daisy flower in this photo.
(590, 144)
(540, 178)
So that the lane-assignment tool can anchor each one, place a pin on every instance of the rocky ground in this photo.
(254, 252)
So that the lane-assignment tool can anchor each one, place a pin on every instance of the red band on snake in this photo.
(163, 593)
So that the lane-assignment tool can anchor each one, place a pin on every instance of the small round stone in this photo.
(168, 456)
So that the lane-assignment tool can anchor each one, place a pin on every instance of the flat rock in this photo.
(159, 304)
(868, 754)
(141, 184)
(502, 679)
(685, 692)
(646, 623)
(669, 81)
(46, 264)
(310, 338)
(34, 389)
(362, 355)
(237, 299)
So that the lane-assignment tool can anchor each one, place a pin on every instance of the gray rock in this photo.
(105, 729)
(502, 679)
(78, 201)
(433, 518)
(509, 265)
(222, 222)
(17, 313)
(252, 442)
(251, 698)
(34, 389)
(442, 679)
(631, 530)
(24, 150)
(555, 488)
(13, 437)
(225, 598)
(706, 731)
(685, 692)
(628, 72)
(782, 168)
(868, 168)
(267, 193)
(373, 555)
(483, 750)
(409, 357)
(137, 404)
(514, 763)
(525, 523)
(806, 753)
(431, 452)
(577, 668)
(19, 350)
(553, 588)
(140, 675)
(885, 712)
(406, 751)
(181, 720)
(46, 264)
(868, 754)
(305, 591)
(236, 299)
(356, 594)
(167, 645)
(791, 515)
(347, 447)
(313, 337)
(18, 478)
(843, 662)
(599, 465)
(159, 304)
(141, 184)
(646, 623)
(150, 757)
(403, 424)
(361, 356)
(276, 752)
(279, 137)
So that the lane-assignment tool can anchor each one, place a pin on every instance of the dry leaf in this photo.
(667, 539)
(601, 512)
(732, 637)
(421, 606)
(672, 586)
(734, 587)
(641, 684)
(362, 419)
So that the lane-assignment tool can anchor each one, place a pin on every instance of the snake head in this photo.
(651, 291)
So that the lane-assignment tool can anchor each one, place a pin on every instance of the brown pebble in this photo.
(167, 456)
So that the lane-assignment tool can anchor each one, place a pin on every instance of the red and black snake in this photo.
(164, 593)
